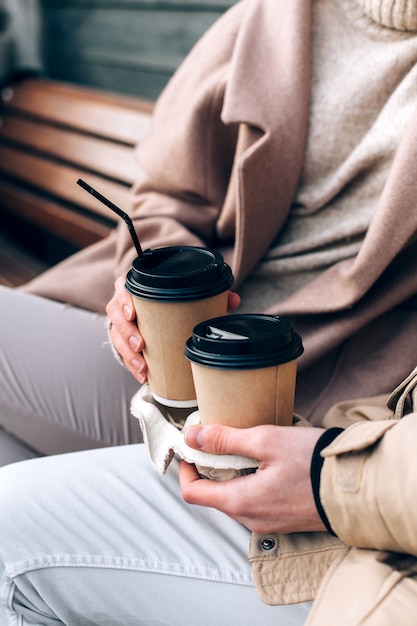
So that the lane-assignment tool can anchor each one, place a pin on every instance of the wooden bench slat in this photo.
(16, 266)
(119, 118)
(111, 159)
(53, 133)
(61, 180)
(76, 228)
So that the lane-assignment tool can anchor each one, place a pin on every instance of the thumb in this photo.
(219, 439)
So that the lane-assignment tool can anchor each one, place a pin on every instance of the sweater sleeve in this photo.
(368, 485)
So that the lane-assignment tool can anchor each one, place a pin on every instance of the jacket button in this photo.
(268, 544)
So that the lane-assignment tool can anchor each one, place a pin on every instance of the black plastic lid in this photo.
(248, 341)
(178, 273)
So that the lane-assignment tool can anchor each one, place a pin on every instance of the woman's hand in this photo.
(277, 497)
(233, 301)
(124, 332)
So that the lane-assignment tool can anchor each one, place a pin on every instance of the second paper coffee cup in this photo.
(244, 369)
(173, 289)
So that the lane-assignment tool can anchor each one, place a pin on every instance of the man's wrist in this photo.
(315, 470)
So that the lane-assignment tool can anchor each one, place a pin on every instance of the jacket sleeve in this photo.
(369, 485)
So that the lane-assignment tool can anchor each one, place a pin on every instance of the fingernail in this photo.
(137, 365)
(134, 343)
(194, 436)
(127, 310)
(200, 437)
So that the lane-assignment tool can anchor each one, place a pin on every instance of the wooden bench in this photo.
(52, 134)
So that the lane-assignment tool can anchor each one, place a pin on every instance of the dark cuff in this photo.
(315, 470)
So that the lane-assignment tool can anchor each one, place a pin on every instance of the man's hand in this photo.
(276, 498)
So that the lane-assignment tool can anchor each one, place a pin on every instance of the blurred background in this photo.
(126, 47)
(130, 46)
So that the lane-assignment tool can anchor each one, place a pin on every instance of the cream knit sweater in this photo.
(363, 91)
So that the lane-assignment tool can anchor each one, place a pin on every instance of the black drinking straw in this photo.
(116, 209)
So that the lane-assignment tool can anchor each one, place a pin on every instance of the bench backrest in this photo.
(53, 133)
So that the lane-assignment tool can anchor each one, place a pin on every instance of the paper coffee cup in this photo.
(174, 289)
(244, 369)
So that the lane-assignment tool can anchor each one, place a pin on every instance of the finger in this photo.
(188, 473)
(224, 496)
(121, 301)
(122, 329)
(218, 439)
(120, 311)
(124, 299)
(197, 490)
(133, 360)
(233, 301)
(124, 334)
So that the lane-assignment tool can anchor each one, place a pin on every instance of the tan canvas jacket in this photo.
(221, 167)
(368, 489)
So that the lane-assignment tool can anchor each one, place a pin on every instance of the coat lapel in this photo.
(267, 95)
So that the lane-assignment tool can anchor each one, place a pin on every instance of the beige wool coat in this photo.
(220, 168)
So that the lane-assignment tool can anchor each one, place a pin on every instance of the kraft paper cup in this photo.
(174, 289)
(244, 369)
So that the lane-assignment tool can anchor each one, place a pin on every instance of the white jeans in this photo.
(98, 537)
(61, 389)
